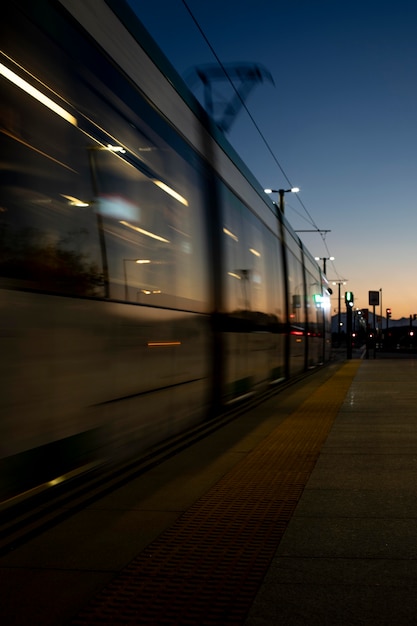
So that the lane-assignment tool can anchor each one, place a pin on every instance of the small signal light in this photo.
(349, 298)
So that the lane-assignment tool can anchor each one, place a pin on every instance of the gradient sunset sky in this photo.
(340, 121)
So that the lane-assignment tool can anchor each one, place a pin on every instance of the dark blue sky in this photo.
(341, 120)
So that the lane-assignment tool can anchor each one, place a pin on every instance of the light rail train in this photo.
(147, 283)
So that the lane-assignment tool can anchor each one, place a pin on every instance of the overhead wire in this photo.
(310, 218)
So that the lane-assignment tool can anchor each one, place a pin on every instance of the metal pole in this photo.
(380, 302)
(348, 331)
(281, 193)
(338, 317)
(374, 337)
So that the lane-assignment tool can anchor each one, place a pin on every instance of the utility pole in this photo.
(349, 300)
(339, 319)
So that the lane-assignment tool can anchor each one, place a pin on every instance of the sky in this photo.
(339, 121)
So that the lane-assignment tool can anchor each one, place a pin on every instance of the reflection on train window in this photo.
(252, 265)
(153, 234)
(275, 281)
(314, 297)
(296, 292)
(237, 296)
(48, 227)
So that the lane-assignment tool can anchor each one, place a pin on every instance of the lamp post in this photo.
(338, 283)
(381, 336)
(324, 259)
(281, 193)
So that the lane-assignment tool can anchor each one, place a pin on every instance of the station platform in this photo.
(302, 511)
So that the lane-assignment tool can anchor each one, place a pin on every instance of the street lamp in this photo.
(281, 193)
(338, 283)
(324, 259)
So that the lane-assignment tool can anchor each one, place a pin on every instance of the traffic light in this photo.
(349, 298)
(388, 313)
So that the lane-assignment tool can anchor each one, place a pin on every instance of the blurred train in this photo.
(147, 282)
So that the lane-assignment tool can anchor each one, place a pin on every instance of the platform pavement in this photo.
(346, 557)
(349, 554)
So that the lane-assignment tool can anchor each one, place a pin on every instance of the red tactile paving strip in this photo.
(207, 568)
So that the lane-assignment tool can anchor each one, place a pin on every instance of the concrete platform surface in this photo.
(349, 554)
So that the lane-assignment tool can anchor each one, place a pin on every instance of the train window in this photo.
(313, 296)
(253, 265)
(236, 274)
(254, 300)
(275, 282)
(48, 228)
(154, 233)
(238, 296)
(315, 312)
(256, 253)
(295, 286)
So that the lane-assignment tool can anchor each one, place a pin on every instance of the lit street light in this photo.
(281, 193)
(324, 259)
